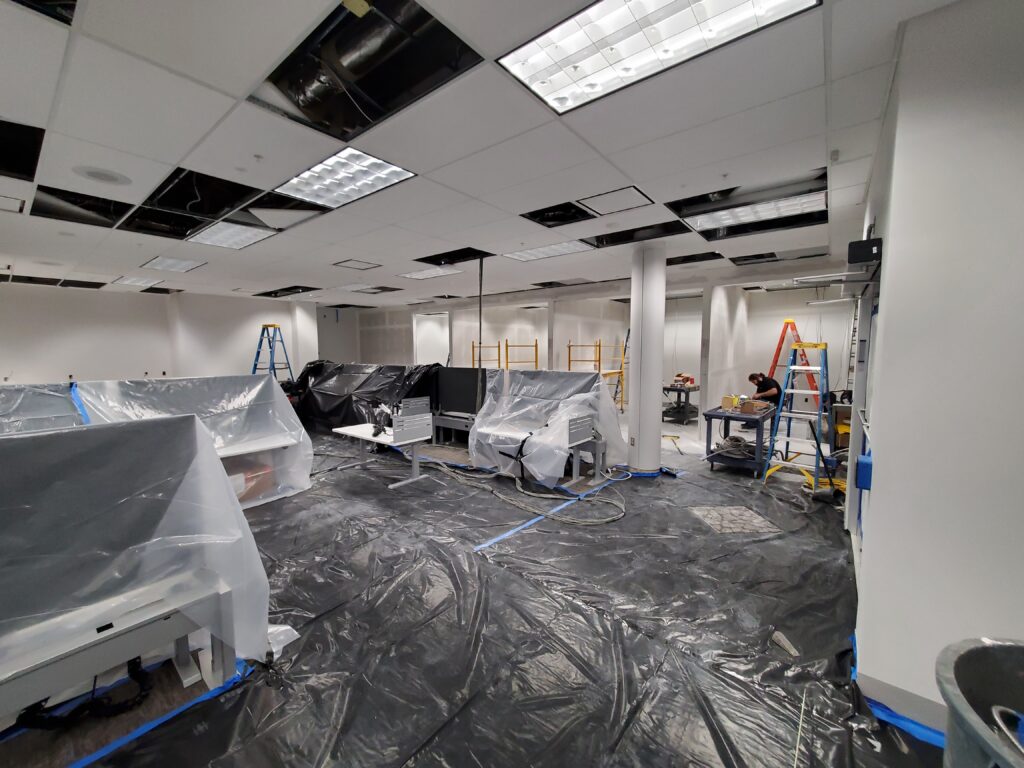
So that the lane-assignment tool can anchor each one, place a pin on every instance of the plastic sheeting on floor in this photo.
(645, 642)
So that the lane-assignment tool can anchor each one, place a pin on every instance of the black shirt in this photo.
(765, 385)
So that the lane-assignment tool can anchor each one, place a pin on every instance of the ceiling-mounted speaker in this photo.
(865, 251)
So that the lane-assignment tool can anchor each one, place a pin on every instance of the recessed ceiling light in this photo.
(102, 175)
(613, 39)
(766, 211)
(342, 178)
(426, 274)
(547, 251)
(169, 264)
(356, 264)
(142, 282)
(227, 235)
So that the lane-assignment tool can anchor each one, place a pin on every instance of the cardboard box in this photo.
(729, 402)
(754, 406)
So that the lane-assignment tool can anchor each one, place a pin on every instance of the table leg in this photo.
(759, 448)
(686, 409)
(415, 474)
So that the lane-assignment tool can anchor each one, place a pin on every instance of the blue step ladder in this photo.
(271, 334)
(818, 421)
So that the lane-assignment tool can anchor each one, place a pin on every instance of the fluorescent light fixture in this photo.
(614, 43)
(356, 264)
(342, 178)
(831, 301)
(168, 264)
(766, 211)
(426, 274)
(227, 235)
(547, 251)
(141, 282)
(824, 278)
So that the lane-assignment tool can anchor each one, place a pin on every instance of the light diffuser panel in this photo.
(342, 178)
(227, 235)
(426, 274)
(547, 251)
(168, 264)
(141, 282)
(766, 211)
(614, 43)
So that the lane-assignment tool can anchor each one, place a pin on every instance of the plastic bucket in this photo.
(982, 682)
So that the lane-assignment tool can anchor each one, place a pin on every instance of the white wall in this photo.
(385, 336)
(723, 344)
(48, 334)
(683, 319)
(517, 324)
(584, 321)
(433, 338)
(338, 335)
(942, 543)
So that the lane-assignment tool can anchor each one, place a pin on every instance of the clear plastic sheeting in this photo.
(108, 525)
(266, 452)
(524, 422)
(30, 408)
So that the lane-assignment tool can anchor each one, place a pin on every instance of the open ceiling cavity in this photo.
(52, 203)
(457, 256)
(153, 221)
(276, 211)
(198, 194)
(693, 258)
(615, 43)
(737, 211)
(61, 10)
(352, 71)
(19, 150)
(637, 234)
(291, 290)
(559, 215)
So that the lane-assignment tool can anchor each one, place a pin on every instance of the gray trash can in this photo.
(982, 681)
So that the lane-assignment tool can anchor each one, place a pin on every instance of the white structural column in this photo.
(646, 357)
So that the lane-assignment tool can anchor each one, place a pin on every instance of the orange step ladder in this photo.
(789, 326)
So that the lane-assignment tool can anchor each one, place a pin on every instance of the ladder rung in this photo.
(795, 465)
(805, 415)
(802, 392)
(800, 441)
(809, 368)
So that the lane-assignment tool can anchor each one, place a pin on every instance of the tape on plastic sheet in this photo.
(670, 471)
(242, 671)
(76, 398)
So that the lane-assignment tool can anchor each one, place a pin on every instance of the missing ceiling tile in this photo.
(374, 289)
(291, 290)
(80, 284)
(277, 211)
(755, 258)
(151, 221)
(455, 257)
(693, 258)
(61, 10)
(639, 234)
(19, 150)
(32, 280)
(52, 203)
(559, 215)
(197, 194)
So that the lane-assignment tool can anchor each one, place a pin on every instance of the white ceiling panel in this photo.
(336, 226)
(849, 174)
(859, 98)
(256, 147)
(856, 141)
(61, 155)
(19, 190)
(32, 237)
(31, 54)
(495, 28)
(771, 64)
(457, 218)
(841, 198)
(615, 201)
(480, 109)
(764, 167)
(616, 222)
(846, 226)
(229, 44)
(119, 101)
(408, 199)
(382, 241)
(508, 235)
(121, 249)
(780, 122)
(864, 31)
(592, 177)
(551, 147)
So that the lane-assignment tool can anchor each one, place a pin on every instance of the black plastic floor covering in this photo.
(645, 642)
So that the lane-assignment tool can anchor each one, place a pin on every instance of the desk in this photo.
(363, 433)
(757, 419)
(681, 408)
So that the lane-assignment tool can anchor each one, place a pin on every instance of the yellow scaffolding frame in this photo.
(476, 354)
(596, 346)
(536, 354)
(619, 374)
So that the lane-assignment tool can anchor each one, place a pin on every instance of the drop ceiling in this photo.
(152, 94)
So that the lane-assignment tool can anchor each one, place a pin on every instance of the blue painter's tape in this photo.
(506, 534)
(242, 671)
(77, 400)
(918, 730)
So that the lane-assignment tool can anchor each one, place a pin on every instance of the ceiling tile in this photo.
(592, 177)
(119, 101)
(856, 141)
(616, 222)
(336, 226)
(859, 98)
(256, 147)
(61, 155)
(774, 63)
(495, 28)
(457, 218)
(544, 150)
(20, 190)
(229, 44)
(849, 174)
(841, 198)
(407, 200)
(479, 109)
(31, 54)
(509, 235)
(780, 122)
(48, 239)
(615, 201)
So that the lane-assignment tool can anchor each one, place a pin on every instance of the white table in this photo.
(363, 433)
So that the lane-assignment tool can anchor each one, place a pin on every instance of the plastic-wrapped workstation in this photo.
(524, 421)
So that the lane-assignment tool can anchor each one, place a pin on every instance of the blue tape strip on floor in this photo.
(918, 730)
(517, 529)
(77, 400)
(242, 671)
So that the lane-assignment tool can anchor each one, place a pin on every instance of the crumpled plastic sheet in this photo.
(639, 643)
(100, 521)
(344, 394)
(35, 407)
(265, 450)
(524, 422)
